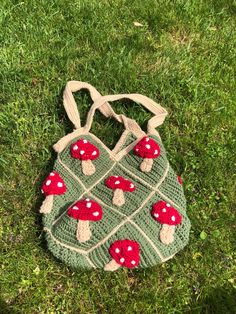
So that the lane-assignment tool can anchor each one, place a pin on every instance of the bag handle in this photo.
(71, 106)
(159, 112)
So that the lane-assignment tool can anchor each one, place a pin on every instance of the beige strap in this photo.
(71, 106)
(159, 112)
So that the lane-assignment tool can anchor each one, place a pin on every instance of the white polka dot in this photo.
(155, 152)
(94, 153)
(122, 260)
(75, 147)
(168, 205)
(85, 141)
(116, 176)
(129, 248)
(164, 210)
(133, 262)
(87, 199)
(88, 205)
(173, 218)
(147, 139)
(60, 184)
(82, 152)
(156, 215)
(75, 207)
(117, 250)
(117, 182)
(136, 149)
(48, 182)
(95, 214)
(52, 174)
(42, 191)
(148, 146)
(131, 185)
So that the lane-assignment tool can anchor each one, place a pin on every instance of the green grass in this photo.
(184, 57)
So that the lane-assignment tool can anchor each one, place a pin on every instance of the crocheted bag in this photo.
(105, 208)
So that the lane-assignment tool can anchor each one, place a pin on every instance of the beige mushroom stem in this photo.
(146, 164)
(83, 232)
(167, 234)
(112, 266)
(46, 207)
(88, 167)
(118, 198)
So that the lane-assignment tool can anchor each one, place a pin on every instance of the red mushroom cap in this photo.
(180, 180)
(53, 184)
(86, 209)
(166, 214)
(84, 150)
(125, 253)
(147, 148)
(118, 182)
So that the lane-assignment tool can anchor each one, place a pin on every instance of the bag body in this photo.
(106, 208)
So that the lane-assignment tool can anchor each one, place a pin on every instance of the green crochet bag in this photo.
(106, 208)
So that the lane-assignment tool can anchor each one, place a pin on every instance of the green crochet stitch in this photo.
(131, 221)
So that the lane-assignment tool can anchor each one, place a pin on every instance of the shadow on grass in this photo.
(221, 300)
(6, 309)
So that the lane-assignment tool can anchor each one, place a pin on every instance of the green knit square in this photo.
(102, 164)
(65, 228)
(100, 256)
(133, 200)
(132, 163)
(173, 189)
(152, 228)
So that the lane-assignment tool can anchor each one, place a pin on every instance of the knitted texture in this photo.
(132, 221)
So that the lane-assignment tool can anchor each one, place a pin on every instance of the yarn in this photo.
(124, 253)
(96, 223)
(118, 182)
(131, 221)
(166, 214)
(169, 217)
(148, 149)
(53, 184)
(86, 152)
(85, 209)
(119, 185)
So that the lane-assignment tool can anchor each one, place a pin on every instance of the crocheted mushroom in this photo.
(180, 180)
(86, 152)
(148, 149)
(169, 217)
(124, 253)
(85, 211)
(53, 185)
(119, 185)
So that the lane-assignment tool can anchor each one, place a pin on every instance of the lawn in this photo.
(181, 54)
